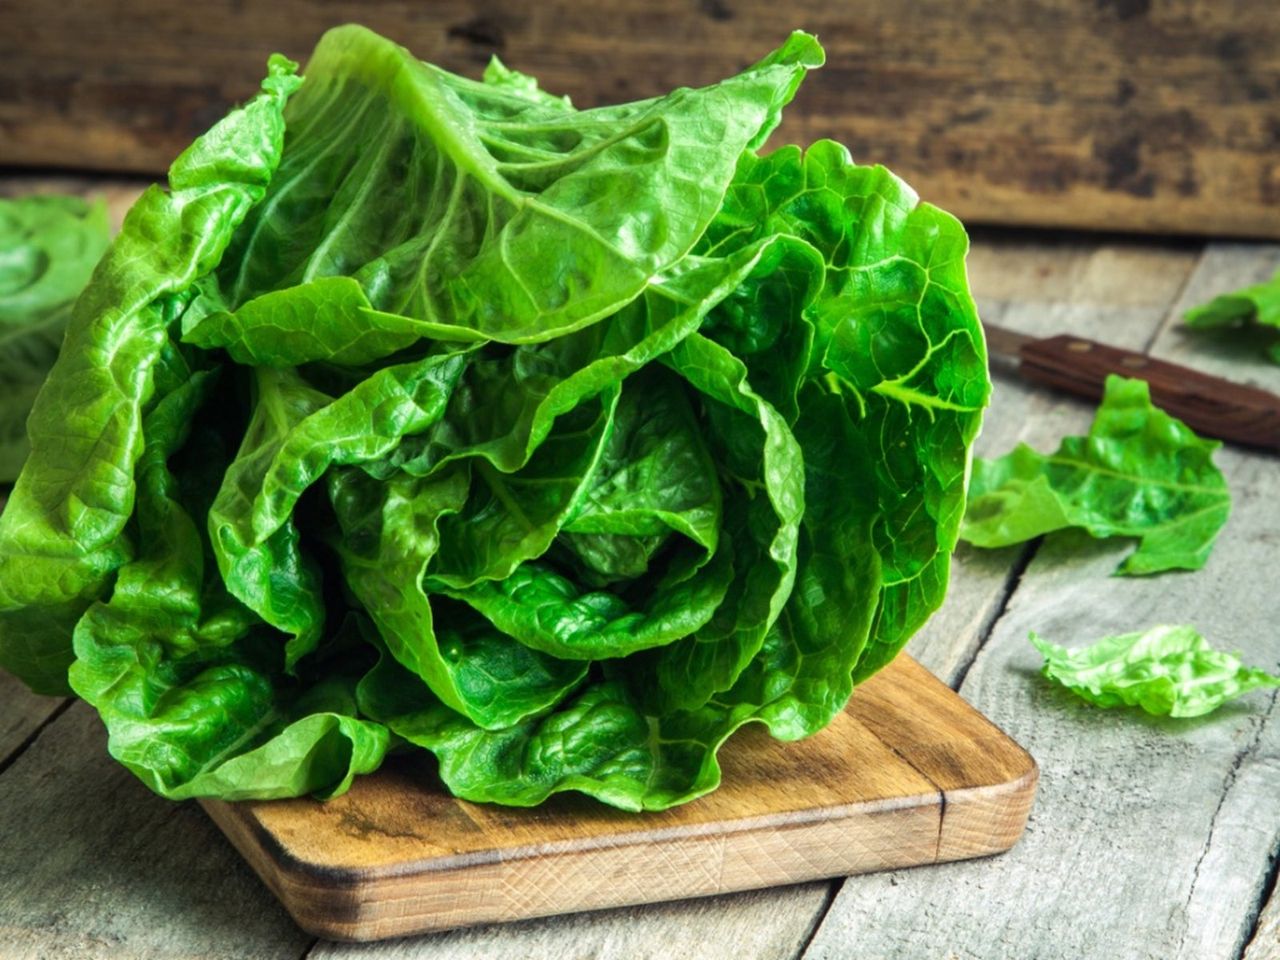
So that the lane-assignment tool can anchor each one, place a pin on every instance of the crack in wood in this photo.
(9, 759)
(833, 888)
(1267, 891)
(1013, 580)
(1242, 756)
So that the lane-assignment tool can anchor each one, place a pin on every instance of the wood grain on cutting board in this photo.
(908, 774)
(1149, 115)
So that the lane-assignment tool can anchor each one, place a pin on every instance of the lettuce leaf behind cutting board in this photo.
(48, 247)
(1138, 473)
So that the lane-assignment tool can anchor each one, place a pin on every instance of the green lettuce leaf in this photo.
(1255, 308)
(1166, 670)
(1139, 473)
(48, 246)
(889, 327)
(533, 220)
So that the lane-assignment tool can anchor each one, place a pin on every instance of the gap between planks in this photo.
(8, 759)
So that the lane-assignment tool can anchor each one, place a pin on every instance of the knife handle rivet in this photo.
(1134, 363)
(1079, 346)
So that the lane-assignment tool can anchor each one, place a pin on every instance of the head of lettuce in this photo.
(421, 413)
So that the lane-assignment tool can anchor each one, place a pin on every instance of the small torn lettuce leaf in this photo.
(1255, 307)
(48, 247)
(1166, 670)
(1139, 473)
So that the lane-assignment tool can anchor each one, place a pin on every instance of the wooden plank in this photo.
(1244, 838)
(1122, 114)
(909, 774)
(93, 865)
(22, 713)
(760, 925)
(1172, 821)
(1228, 883)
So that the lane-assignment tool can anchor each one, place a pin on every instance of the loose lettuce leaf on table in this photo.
(1138, 473)
(1166, 670)
(1252, 308)
(48, 247)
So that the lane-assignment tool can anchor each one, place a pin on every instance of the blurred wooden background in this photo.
(1143, 115)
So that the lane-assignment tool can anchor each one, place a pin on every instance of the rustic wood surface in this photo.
(909, 774)
(1149, 839)
(1114, 114)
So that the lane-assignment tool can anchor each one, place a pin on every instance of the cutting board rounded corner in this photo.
(324, 899)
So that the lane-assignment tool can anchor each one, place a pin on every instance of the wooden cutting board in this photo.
(909, 774)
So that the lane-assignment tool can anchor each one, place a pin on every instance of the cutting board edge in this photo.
(987, 819)
(958, 824)
(352, 904)
(965, 791)
(380, 907)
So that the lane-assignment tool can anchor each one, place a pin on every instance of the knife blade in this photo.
(1209, 405)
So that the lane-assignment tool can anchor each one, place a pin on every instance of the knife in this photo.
(1209, 405)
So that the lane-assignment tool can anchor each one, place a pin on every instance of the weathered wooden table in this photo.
(1149, 838)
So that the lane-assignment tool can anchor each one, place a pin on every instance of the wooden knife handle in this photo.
(1209, 405)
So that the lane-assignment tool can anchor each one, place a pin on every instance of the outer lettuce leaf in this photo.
(1255, 308)
(601, 743)
(48, 246)
(389, 535)
(62, 533)
(763, 467)
(1166, 670)
(1139, 473)
(487, 214)
(327, 319)
(892, 330)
